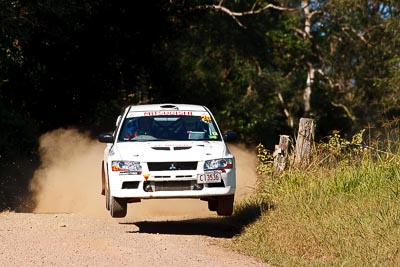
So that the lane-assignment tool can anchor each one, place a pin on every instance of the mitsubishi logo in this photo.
(172, 166)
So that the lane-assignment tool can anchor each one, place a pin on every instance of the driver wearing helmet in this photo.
(131, 130)
(144, 127)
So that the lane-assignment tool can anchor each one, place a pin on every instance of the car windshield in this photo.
(168, 127)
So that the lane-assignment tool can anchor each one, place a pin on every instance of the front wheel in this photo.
(103, 178)
(225, 205)
(118, 207)
(212, 205)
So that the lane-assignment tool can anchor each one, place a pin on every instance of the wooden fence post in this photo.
(305, 139)
(281, 152)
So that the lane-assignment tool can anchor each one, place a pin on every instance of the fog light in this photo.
(147, 188)
(198, 186)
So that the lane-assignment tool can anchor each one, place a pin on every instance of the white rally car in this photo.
(167, 151)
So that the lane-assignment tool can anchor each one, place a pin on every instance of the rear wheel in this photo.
(118, 207)
(225, 205)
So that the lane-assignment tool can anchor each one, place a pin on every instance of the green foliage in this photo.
(11, 56)
(338, 146)
(265, 161)
(318, 222)
(224, 72)
(288, 49)
(325, 215)
(363, 43)
(59, 54)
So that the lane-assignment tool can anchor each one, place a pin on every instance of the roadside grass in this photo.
(343, 211)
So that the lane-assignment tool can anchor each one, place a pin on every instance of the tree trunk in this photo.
(310, 68)
(308, 89)
(280, 153)
(305, 139)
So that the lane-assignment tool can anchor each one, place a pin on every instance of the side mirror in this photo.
(106, 138)
(230, 136)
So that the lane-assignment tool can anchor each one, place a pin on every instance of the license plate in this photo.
(209, 177)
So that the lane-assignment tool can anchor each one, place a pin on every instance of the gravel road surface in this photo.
(29, 239)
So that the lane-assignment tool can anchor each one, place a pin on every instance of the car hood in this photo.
(170, 151)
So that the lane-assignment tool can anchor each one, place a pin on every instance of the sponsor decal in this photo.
(204, 116)
(168, 112)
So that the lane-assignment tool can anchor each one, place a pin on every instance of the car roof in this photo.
(166, 106)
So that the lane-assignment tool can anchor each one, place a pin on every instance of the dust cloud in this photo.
(69, 180)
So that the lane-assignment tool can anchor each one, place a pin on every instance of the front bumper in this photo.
(169, 184)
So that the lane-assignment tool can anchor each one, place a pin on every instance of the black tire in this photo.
(103, 178)
(118, 207)
(212, 205)
(225, 205)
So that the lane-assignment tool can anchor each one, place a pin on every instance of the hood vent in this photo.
(161, 148)
(181, 147)
(166, 148)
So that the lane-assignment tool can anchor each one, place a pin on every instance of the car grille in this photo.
(172, 166)
(173, 186)
(177, 176)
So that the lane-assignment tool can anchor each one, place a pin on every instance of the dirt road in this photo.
(71, 227)
(29, 239)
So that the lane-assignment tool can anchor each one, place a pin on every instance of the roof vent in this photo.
(169, 106)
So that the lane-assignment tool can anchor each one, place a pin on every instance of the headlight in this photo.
(126, 166)
(218, 164)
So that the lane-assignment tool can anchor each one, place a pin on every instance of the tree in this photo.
(347, 52)
(362, 58)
